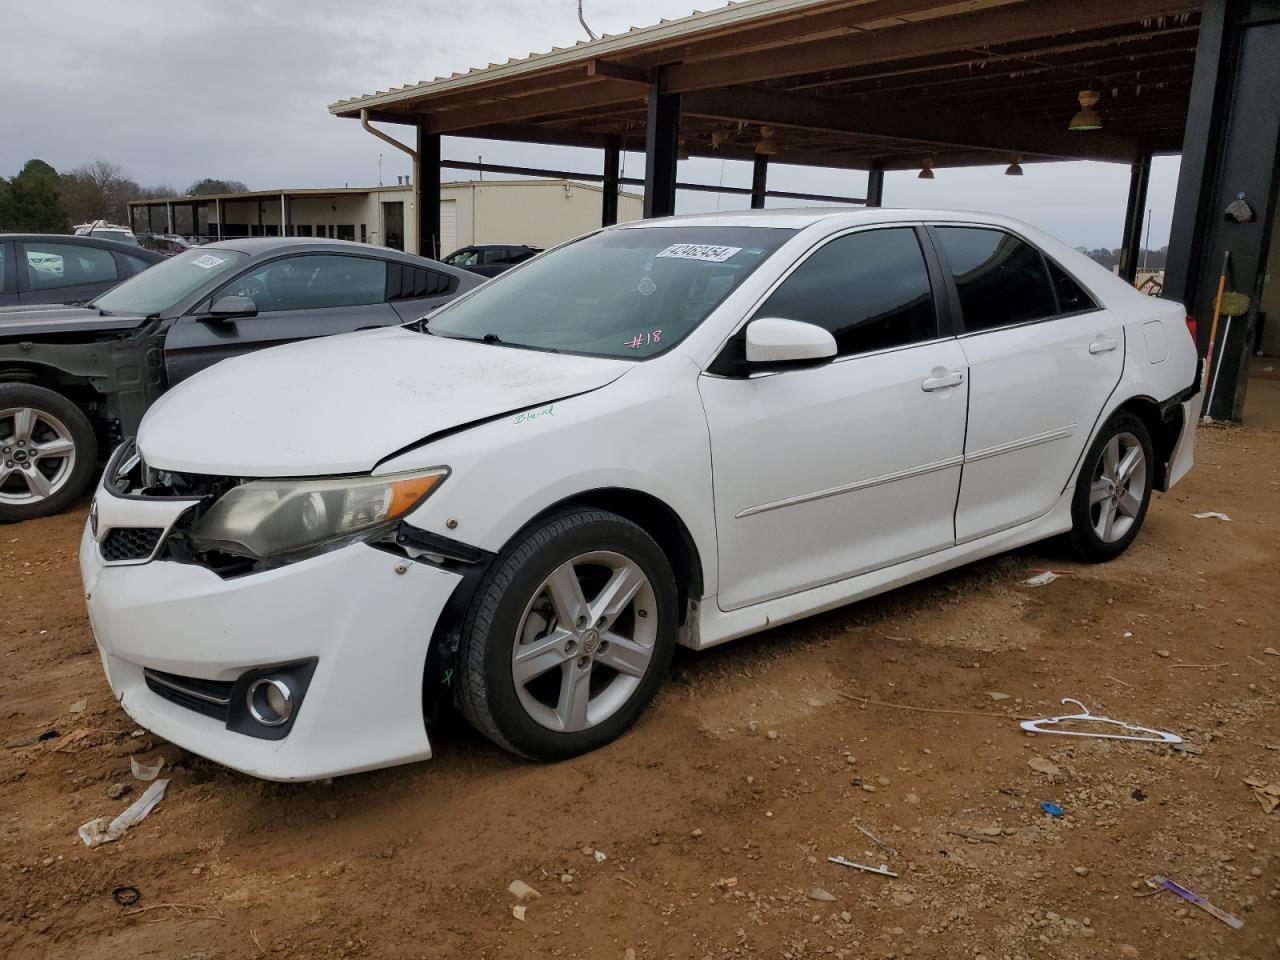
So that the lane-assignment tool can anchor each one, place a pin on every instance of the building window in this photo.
(364, 233)
(346, 231)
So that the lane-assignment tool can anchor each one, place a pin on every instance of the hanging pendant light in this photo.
(766, 146)
(926, 170)
(1015, 166)
(1087, 118)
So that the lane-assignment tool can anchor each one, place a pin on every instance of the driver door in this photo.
(311, 295)
(825, 471)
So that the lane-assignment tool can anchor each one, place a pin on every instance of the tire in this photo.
(33, 417)
(525, 661)
(1107, 516)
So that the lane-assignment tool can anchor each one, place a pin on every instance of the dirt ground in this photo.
(714, 818)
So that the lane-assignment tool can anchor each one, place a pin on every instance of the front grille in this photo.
(131, 543)
(210, 697)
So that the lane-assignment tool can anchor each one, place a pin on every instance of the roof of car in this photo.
(83, 241)
(258, 246)
(795, 218)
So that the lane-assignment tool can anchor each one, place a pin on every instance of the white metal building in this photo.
(540, 213)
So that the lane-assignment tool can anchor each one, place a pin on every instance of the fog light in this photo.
(270, 701)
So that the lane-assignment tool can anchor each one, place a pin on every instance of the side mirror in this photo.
(227, 308)
(774, 340)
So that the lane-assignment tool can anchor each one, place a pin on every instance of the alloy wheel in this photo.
(37, 455)
(585, 641)
(1119, 487)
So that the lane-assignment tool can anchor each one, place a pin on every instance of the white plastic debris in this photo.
(146, 772)
(600, 856)
(1212, 513)
(78, 706)
(1041, 579)
(518, 911)
(522, 891)
(94, 833)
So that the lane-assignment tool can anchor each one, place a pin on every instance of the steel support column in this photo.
(875, 188)
(1134, 216)
(610, 185)
(168, 218)
(759, 181)
(218, 207)
(426, 192)
(661, 152)
(1230, 151)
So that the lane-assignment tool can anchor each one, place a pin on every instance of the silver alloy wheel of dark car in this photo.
(37, 455)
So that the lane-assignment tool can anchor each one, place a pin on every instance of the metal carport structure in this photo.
(880, 85)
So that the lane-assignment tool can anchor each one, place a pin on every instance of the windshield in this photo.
(167, 284)
(629, 293)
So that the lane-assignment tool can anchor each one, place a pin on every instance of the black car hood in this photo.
(42, 319)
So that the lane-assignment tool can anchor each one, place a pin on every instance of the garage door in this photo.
(448, 227)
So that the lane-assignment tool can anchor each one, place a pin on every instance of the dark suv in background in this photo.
(53, 268)
(490, 259)
(75, 380)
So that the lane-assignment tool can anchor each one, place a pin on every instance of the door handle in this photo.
(942, 382)
(1103, 345)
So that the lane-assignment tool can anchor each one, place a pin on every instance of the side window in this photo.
(497, 255)
(520, 254)
(312, 282)
(136, 264)
(4, 288)
(1071, 296)
(66, 265)
(1001, 280)
(870, 289)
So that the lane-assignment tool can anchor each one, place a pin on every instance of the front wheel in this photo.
(48, 452)
(568, 637)
(1113, 490)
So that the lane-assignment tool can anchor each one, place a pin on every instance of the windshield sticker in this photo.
(709, 252)
(644, 339)
(207, 262)
(548, 411)
(646, 287)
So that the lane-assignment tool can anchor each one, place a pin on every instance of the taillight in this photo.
(1191, 328)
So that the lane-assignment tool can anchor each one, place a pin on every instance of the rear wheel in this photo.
(48, 452)
(568, 637)
(1113, 490)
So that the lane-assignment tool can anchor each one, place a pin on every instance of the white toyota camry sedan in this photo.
(673, 431)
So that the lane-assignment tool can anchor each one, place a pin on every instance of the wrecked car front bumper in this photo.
(363, 617)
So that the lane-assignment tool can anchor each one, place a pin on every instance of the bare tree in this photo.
(98, 191)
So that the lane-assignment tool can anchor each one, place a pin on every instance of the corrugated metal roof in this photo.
(665, 31)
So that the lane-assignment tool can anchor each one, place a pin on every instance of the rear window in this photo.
(1001, 280)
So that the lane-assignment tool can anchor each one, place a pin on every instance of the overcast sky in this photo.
(177, 91)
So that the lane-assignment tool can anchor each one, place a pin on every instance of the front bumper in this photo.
(367, 625)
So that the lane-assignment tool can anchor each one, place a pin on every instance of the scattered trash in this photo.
(876, 840)
(1051, 808)
(138, 733)
(882, 870)
(522, 891)
(997, 696)
(1041, 579)
(518, 911)
(1164, 883)
(1212, 513)
(1047, 767)
(126, 896)
(817, 893)
(1084, 716)
(600, 856)
(79, 705)
(1267, 794)
(118, 790)
(146, 772)
(98, 831)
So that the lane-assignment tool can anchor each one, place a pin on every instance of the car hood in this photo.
(37, 319)
(342, 404)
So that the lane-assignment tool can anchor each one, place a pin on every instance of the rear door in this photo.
(825, 471)
(1043, 359)
(299, 297)
(53, 271)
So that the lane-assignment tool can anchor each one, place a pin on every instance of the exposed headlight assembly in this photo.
(267, 518)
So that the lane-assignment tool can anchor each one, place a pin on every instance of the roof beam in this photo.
(619, 71)
(779, 109)
(1025, 21)
(586, 96)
